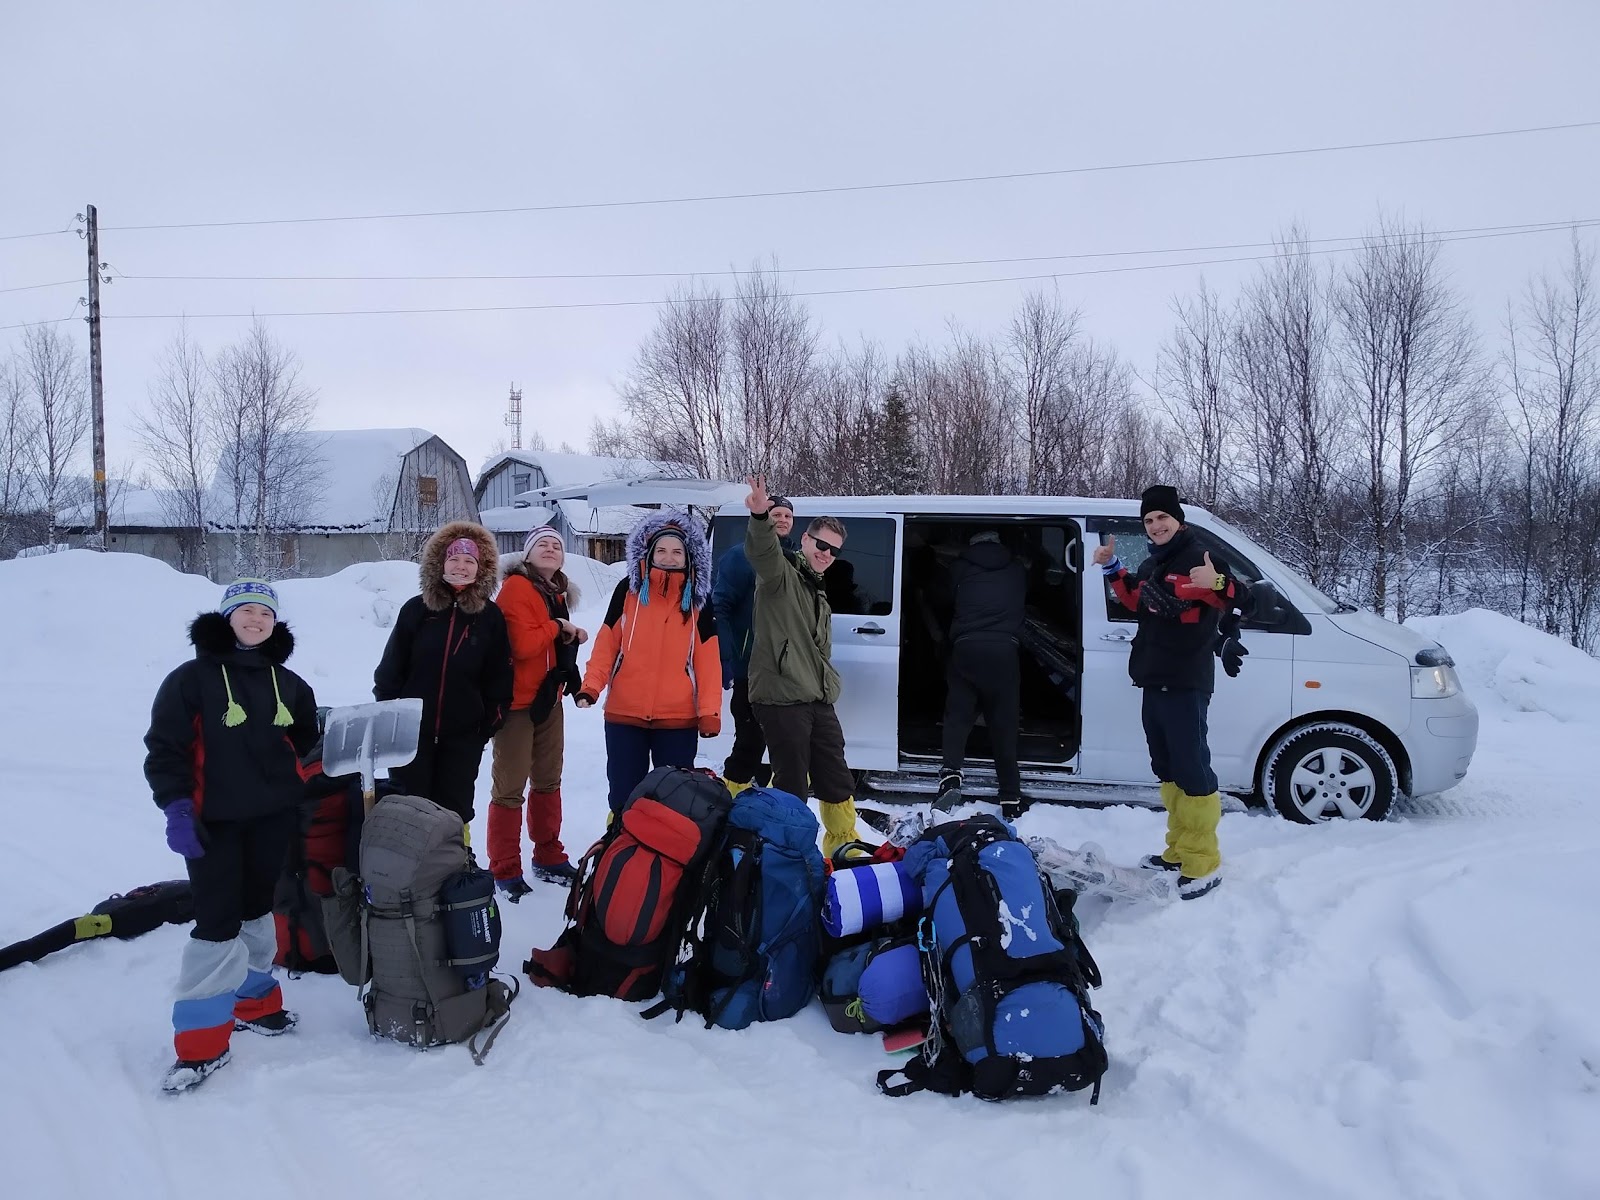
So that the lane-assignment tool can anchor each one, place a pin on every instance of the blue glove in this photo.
(183, 831)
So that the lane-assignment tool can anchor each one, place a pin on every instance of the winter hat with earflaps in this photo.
(237, 594)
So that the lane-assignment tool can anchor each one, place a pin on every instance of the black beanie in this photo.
(1161, 498)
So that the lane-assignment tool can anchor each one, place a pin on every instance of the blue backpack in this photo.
(1008, 975)
(751, 952)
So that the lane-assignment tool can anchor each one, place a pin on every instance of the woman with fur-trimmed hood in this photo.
(449, 648)
(657, 654)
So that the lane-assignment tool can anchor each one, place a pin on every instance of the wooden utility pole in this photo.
(96, 393)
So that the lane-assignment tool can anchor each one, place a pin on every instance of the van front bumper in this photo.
(1440, 742)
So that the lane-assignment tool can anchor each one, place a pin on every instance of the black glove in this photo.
(1155, 598)
(1231, 651)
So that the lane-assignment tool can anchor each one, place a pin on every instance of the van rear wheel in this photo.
(1327, 770)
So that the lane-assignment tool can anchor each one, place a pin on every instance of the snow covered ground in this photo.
(1400, 1009)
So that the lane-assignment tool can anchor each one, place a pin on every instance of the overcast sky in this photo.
(197, 112)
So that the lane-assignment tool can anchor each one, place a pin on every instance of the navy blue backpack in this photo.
(1008, 975)
(751, 952)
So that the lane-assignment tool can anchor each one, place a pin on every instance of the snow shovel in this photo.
(364, 737)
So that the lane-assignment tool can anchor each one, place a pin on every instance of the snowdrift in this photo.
(1396, 1009)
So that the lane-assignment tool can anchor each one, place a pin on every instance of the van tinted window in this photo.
(861, 581)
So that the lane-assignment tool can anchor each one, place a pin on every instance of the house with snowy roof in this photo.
(333, 498)
(510, 500)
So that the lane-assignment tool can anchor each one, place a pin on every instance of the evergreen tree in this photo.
(896, 448)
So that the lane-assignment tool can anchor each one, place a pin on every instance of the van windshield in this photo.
(1277, 567)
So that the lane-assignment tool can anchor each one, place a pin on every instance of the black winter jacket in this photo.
(240, 771)
(990, 587)
(458, 663)
(1174, 651)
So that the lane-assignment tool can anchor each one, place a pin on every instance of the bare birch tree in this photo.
(56, 383)
(17, 434)
(1193, 386)
(179, 442)
(1409, 362)
(271, 470)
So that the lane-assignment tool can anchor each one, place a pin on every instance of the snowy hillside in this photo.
(1401, 1009)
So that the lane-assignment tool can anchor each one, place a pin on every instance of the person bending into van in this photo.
(227, 730)
(537, 599)
(449, 648)
(989, 589)
(793, 684)
(656, 655)
(1178, 595)
(734, 598)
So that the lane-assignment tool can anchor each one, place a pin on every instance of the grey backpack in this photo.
(388, 931)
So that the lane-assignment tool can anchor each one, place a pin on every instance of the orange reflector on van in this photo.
(1312, 683)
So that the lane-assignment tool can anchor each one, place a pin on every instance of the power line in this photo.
(901, 287)
(34, 287)
(1519, 227)
(866, 187)
(17, 237)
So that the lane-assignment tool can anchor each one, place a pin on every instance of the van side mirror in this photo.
(1266, 606)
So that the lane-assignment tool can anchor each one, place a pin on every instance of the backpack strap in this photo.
(497, 1014)
(423, 1018)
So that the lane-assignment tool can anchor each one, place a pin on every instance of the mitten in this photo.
(710, 726)
(183, 832)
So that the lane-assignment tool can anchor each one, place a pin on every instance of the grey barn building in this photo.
(370, 494)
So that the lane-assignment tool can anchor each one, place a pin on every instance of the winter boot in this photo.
(1193, 889)
(1155, 862)
(184, 1075)
(270, 1024)
(563, 872)
(949, 791)
(1012, 807)
(513, 889)
(505, 842)
(838, 826)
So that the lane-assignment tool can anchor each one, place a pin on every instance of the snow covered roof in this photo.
(608, 520)
(356, 490)
(126, 508)
(575, 470)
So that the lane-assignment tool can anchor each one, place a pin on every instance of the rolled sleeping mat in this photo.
(863, 898)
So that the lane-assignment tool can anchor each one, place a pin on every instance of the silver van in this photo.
(1335, 713)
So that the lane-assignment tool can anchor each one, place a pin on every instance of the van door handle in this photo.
(874, 630)
(1117, 635)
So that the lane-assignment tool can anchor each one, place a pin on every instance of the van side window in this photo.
(1133, 548)
(861, 582)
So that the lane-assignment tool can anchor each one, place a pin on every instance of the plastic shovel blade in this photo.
(363, 737)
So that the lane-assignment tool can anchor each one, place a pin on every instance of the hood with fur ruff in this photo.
(210, 634)
(694, 542)
(439, 595)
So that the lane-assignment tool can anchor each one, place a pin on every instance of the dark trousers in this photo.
(631, 751)
(749, 743)
(1175, 728)
(807, 747)
(233, 881)
(444, 772)
(985, 676)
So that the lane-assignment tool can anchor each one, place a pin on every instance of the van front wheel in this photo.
(1318, 772)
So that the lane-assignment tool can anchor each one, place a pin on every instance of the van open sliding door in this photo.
(864, 590)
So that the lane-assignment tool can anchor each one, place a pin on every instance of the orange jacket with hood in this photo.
(656, 655)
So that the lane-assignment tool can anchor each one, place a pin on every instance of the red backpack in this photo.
(636, 889)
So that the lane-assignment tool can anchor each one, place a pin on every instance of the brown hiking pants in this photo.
(530, 755)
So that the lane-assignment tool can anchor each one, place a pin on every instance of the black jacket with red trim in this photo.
(449, 646)
(457, 662)
(238, 771)
(1174, 651)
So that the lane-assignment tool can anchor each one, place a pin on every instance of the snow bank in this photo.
(1395, 1009)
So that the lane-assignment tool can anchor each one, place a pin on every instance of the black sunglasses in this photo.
(822, 545)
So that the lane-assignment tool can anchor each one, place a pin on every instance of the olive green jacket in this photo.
(793, 625)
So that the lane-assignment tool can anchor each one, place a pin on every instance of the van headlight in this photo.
(1434, 683)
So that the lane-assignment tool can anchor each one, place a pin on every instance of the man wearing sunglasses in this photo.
(793, 684)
